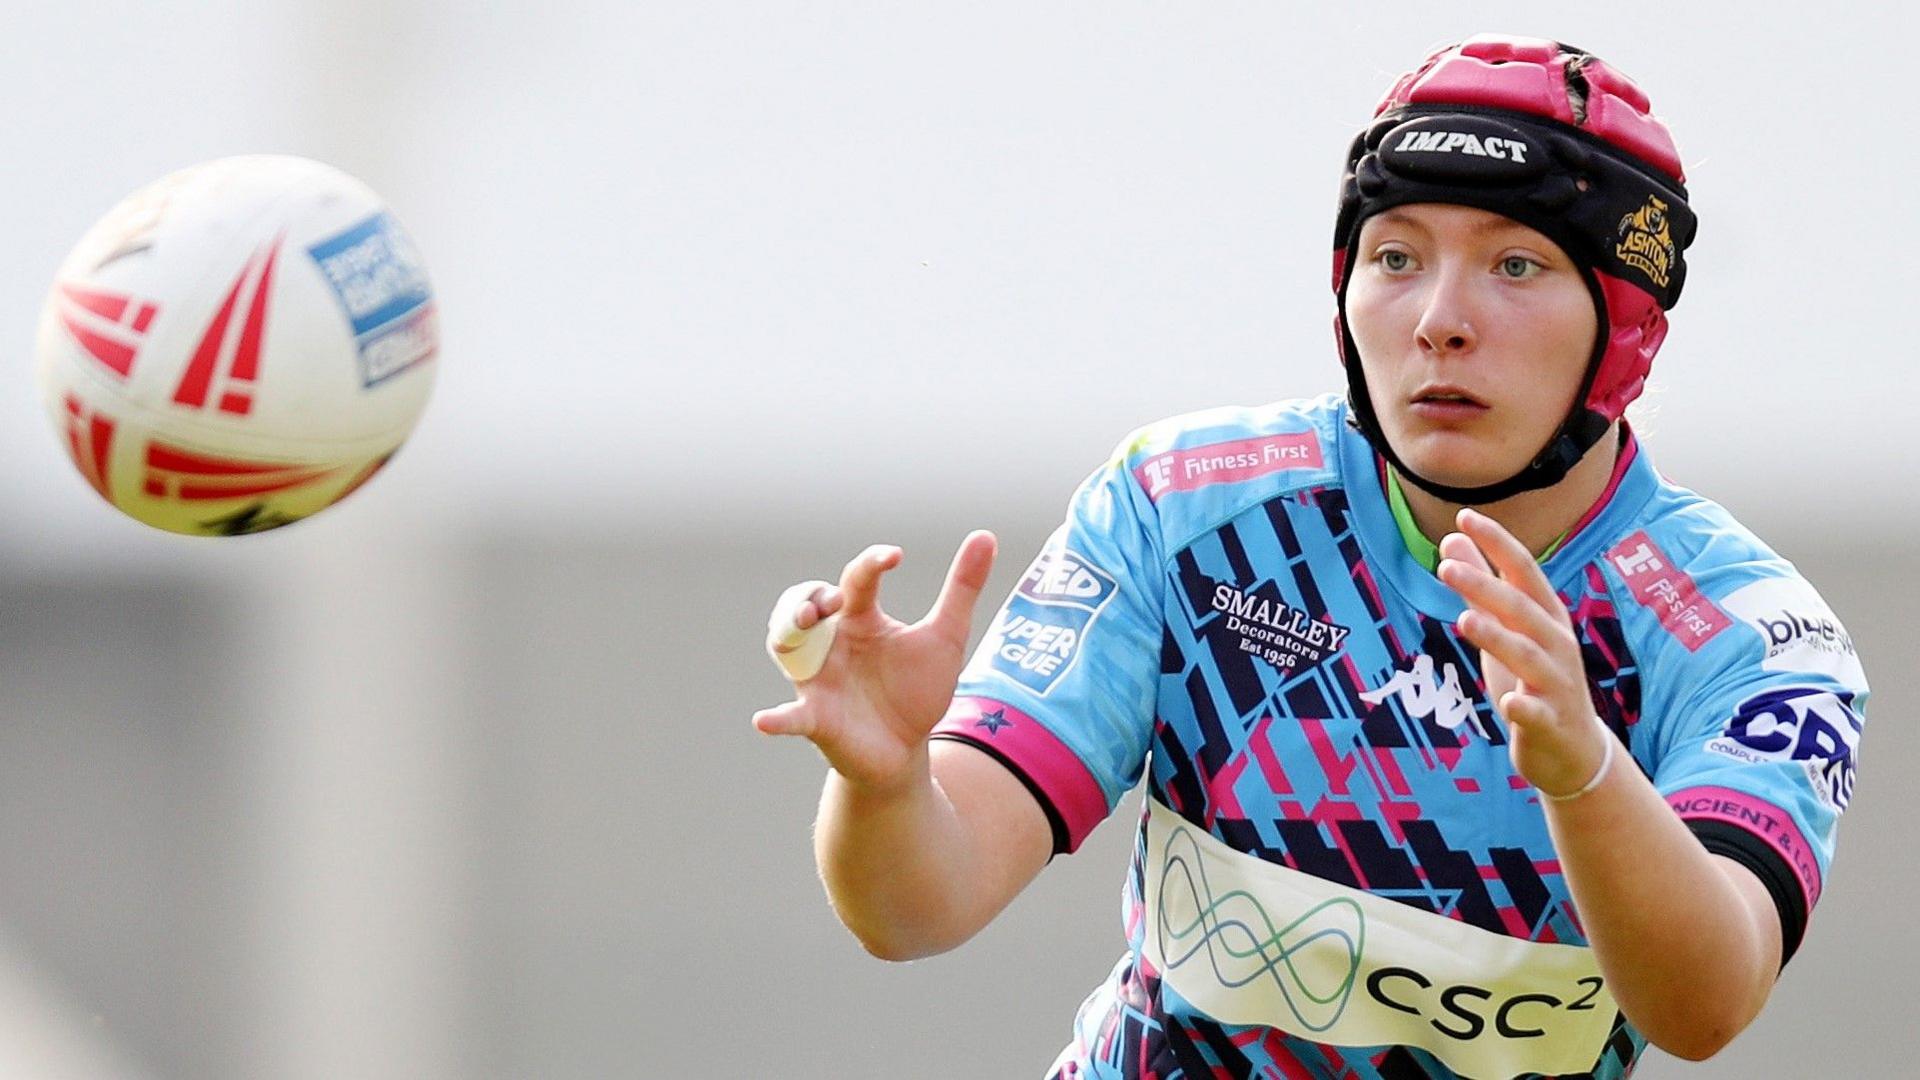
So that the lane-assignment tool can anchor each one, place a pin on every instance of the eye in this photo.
(1519, 267)
(1393, 261)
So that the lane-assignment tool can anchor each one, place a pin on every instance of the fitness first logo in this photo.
(1799, 632)
(1816, 728)
(1668, 591)
(1646, 241)
(1227, 462)
(1039, 633)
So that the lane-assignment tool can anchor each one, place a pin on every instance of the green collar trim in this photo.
(1424, 551)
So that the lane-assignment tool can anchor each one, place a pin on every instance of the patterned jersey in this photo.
(1338, 872)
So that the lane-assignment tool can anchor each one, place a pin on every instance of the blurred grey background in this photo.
(456, 780)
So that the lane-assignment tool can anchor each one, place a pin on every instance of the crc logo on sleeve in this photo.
(1040, 631)
(1817, 728)
(1800, 631)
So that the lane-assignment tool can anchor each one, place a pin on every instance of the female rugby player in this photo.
(1472, 746)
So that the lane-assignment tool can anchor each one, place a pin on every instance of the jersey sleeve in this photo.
(1756, 750)
(1062, 688)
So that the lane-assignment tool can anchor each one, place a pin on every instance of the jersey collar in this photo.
(1381, 540)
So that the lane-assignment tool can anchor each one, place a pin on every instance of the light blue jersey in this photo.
(1339, 873)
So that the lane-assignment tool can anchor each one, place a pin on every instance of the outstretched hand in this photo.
(884, 683)
(1530, 659)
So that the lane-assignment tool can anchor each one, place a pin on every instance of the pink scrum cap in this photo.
(1553, 137)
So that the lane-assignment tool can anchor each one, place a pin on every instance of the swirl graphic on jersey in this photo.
(1313, 960)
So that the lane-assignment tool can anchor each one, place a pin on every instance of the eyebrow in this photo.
(1494, 223)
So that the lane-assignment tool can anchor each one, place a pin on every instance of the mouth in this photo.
(1445, 394)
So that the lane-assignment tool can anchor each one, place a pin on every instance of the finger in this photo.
(1521, 654)
(952, 613)
(793, 718)
(806, 616)
(860, 581)
(1498, 598)
(1525, 709)
(793, 614)
(1508, 556)
(1460, 548)
(829, 601)
(814, 607)
(798, 634)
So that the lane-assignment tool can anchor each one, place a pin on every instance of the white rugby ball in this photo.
(238, 345)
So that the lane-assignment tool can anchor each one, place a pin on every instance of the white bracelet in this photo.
(1606, 762)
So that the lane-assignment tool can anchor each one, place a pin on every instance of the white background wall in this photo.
(788, 251)
(455, 780)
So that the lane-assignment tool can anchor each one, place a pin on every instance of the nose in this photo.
(1445, 325)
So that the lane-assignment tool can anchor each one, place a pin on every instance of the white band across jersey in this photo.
(1252, 942)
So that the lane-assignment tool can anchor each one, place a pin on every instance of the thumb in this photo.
(952, 613)
(792, 718)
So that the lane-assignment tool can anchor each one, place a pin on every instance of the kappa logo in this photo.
(110, 326)
(1463, 142)
(1423, 696)
(174, 472)
(1646, 241)
(232, 372)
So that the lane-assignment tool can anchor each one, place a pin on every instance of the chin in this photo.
(1454, 458)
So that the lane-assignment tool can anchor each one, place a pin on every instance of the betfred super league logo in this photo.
(1039, 633)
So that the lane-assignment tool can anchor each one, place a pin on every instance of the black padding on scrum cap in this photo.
(1606, 210)
(1460, 148)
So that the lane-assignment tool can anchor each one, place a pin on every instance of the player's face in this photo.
(1474, 332)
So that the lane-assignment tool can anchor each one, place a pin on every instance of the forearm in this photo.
(894, 864)
(921, 869)
(1689, 951)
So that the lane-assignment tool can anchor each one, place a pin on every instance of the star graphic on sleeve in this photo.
(993, 721)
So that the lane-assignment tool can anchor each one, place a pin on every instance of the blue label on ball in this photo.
(382, 286)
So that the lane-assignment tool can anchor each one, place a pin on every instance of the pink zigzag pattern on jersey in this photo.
(1591, 611)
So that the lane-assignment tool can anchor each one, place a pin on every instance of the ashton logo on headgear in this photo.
(1646, 242)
